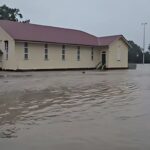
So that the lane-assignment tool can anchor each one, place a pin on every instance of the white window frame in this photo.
(26, 51)
(118, 55)
(63, 53)
(92, 54)
(6, 48)
(78, 53)
(46, 52)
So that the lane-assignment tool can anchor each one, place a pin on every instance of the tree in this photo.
(135, 53)
(12, 14)
(149, 48)
(147, 57)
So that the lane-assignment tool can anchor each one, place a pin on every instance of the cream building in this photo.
(25, 46)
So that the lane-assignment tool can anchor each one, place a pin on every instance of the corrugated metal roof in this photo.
(107, 40)
(40, 33)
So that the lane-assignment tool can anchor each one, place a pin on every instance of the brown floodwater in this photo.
(71, 110)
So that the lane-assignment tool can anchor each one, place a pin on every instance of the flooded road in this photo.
(71, 110)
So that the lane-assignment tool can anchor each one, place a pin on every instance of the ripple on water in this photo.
(66, 104)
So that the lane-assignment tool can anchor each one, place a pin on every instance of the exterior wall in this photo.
(11, 62)
(36, 57)
(117, 48)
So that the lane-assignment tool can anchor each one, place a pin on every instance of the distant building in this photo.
(25, 46)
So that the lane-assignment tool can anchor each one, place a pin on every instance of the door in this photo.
(1, 59)
(1, 53)
(103, 58)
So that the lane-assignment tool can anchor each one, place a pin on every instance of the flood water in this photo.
(71, 110)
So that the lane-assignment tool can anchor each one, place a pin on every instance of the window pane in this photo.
(63, 52)
(92, 54)
(25, 44)
(63, 47)
(25, 56)
(46, 46)
(78, 54)
(78, 58)
(63, 57)
(6, 56)
(46, 57)
(6, 45)
(118, 55)
(46, 51)
(26, 50)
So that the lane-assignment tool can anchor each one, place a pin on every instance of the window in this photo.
(63, 52)
(92, 54)
(6, 49)
(118, 55)
(26, 57)
(78, 54)
(46, 52)
(1, 44)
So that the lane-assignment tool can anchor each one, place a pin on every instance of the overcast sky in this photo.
(98, 17)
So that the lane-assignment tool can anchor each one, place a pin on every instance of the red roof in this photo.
(39, 33)
(107, 40)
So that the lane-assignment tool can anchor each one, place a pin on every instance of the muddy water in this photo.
(70, 110)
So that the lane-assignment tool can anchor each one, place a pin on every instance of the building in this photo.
(25, 46)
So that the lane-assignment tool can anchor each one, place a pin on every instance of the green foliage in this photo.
(136, 54)
(12, 14)
(149, 48)
(147, 57)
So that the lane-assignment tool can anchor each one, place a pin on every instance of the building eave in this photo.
(56, 43)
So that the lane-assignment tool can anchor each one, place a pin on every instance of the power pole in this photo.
(144, 24)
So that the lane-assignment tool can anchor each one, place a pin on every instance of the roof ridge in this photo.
(110, 36)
